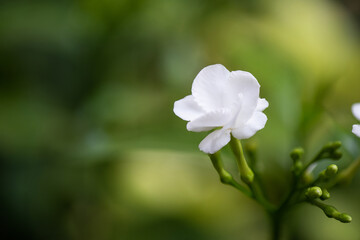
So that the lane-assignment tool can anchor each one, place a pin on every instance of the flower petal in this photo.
(246, 85)
(210, 120)
(255, 123)
(356, 129)
(187, 108)
(262, 104)
(208, 87)
(215, 141)
(355, 108)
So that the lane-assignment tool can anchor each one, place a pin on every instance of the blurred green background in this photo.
(90, 147)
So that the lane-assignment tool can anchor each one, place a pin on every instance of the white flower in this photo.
(356, 111)
(229, 100)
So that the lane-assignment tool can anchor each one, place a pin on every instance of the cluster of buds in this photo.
(315, 189)
(313, 193)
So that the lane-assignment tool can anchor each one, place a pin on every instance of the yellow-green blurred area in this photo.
(90, 147)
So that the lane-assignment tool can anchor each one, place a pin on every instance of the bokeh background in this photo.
(90, 147)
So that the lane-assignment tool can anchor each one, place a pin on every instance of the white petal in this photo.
(247, 130)
(210, 120)
(246, 85)
(215, 141)
(208, 87)
(262, 104)
(356, 129)
(355, 108)
(187, 108)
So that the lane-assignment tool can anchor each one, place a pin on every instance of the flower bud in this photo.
(322, 175)
(331, 171)
(313, 193)
(330, 150)
(332, 146)
(345, 218)
(336, 155)
(336, 145)
(297, 154)
(325, 194)
(306, 178)
(330, 211)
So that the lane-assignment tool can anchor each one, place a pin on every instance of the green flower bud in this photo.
(336, 155)
(313, 193)
(330, 150)
(328, 173)
(336, 145)
(322, 175)
(331, 171)
(332, 146)
(297, 154)
(330, 211)
(325, 194)
(306, 178)
(345, 218)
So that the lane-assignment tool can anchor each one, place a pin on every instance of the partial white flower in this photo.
(356, 111)
(225, 100)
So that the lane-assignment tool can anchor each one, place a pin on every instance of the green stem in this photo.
(277, 216)
(225, 176)
(247, 175)
(293, 188)
(276, 225)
